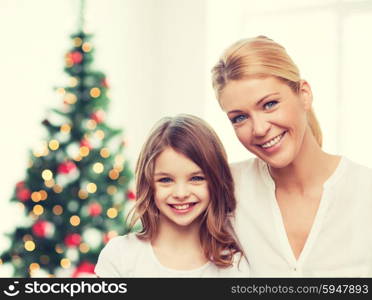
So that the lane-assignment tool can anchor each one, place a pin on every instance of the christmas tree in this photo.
(77, 183)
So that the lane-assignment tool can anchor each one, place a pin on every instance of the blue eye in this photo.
(238, 119)
(197, 178)
(270, 104)
(165, 180)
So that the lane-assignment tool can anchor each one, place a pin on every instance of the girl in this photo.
(301, 211)
(185, 198)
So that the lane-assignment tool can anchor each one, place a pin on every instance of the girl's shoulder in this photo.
(128, 242)
(239, 268)
(120, 255)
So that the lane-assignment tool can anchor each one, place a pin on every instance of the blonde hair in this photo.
(260, 57)
(194, 138)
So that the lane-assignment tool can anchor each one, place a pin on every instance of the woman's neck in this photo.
(311, 168)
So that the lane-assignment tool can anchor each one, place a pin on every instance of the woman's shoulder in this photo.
(354, 171)
(351, 164)
(250, 163)
(250, 167)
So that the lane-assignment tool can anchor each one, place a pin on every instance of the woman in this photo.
(301, 211)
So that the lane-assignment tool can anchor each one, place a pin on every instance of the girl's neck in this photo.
(176, 237)
(178, 247)
(311, 168)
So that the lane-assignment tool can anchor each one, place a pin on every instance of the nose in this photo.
(260, 126)
(181, 191)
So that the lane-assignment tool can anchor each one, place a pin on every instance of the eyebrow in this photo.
(167, 174)
(257, 103)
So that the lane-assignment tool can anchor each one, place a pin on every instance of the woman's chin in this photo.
(278, 161)
(278, 164)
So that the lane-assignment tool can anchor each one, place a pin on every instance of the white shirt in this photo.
(340, 241)
(127, 256)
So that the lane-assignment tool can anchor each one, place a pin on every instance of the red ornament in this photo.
(76, 57)
(94, 209)
(98, 116)
(20, 184)
(106, 238)
(85, 143)
(72, 240)
(66, 167)
(23, 194)
(83, 269)
(131, 195)
(104, 83)
(42, 229)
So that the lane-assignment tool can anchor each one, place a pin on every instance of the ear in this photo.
(306, 95)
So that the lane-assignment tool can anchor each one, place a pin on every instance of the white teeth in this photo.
(183, 206)
(273, 142)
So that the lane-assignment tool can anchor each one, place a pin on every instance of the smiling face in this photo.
(269, 119)
(181, 190)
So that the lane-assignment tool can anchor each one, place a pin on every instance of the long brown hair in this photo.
(194, 138)
(260, 57)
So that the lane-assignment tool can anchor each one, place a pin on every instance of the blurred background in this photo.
(157, 56)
